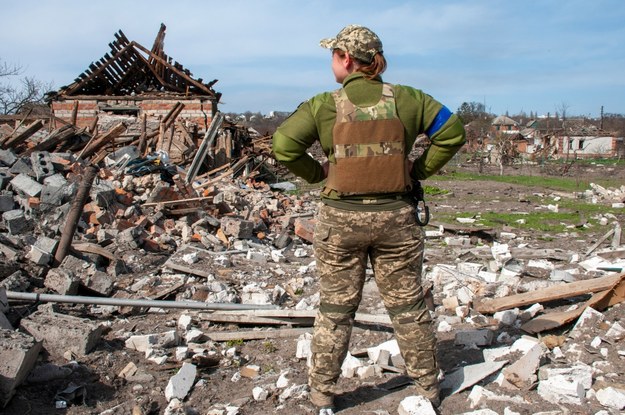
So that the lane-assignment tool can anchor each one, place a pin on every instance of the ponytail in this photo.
(375, 68)
(370, 70)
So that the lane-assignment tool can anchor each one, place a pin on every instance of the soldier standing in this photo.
(366, 129)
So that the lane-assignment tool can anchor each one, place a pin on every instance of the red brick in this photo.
(305, 228)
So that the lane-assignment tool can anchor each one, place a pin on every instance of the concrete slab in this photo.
(467, 376)
(18, 355)
(60, 332)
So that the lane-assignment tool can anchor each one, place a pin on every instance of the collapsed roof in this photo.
(132, 69)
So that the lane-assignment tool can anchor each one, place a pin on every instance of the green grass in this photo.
(566, 184)
(571, 213)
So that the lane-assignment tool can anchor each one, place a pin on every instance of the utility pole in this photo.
(601, 122)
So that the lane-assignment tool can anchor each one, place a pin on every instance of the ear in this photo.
(348, 62)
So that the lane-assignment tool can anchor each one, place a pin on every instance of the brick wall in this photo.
(195, 110)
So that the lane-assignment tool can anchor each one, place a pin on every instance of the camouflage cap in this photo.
(358, 41)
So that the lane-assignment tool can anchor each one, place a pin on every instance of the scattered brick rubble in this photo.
(227, 237)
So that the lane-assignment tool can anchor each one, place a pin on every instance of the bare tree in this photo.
(14, 97)
(562, 109)
(505, 151)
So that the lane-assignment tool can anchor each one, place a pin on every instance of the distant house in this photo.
(504, 125)
(591, 146)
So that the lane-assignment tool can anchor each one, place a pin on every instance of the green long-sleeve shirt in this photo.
(314, 120)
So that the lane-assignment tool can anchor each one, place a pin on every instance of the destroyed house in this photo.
(134, 81)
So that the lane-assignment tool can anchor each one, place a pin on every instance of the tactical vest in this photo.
(369, 147)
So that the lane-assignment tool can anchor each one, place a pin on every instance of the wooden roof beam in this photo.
(176, 71)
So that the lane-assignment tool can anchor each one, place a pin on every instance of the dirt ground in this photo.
(218, 387)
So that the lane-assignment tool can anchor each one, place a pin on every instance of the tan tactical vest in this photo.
(369, 147)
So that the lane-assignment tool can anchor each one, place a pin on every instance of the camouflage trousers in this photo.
(344, 242)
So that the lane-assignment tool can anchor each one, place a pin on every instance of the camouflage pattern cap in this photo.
(358, 41)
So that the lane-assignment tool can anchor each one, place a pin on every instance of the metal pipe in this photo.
(78, 299)
(73, 216)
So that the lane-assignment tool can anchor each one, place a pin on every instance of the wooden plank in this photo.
(187, 78)
(178, 202)
(14, 141)
(248, 319)
(189, 270)
(102, 140)
(55, 138)
(94, 249)
(556, 292)
(222, 336)
(383, 319)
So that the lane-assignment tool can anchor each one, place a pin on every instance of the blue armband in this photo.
(440, 120)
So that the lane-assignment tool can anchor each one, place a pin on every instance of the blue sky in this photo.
(513, 56)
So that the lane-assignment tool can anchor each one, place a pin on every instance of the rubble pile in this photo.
(161, 279)
(599, 193)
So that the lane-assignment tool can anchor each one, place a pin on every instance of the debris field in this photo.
(157, 263)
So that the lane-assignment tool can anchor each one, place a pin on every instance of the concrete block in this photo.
(5, 179)
(391, 346)
(467, 376)
(4, 322)
(41, 164)
(260, 394)
(24, 184)
(615, 333)
(103, 193)
(611, 397)
(181, 383)
(194, 336)
(237, 227)
(15, 221)
(524, 344)
(304, 344)
(7, 157)
(257, 257)
(185, 321)
(580, 373)
(99, 282)
(4, 301)
(131, 237)
(52, 195)
(507, 317)
(474, 337)
(480, 397)
(18, 355)
(57, 180)
(142, 343)
(522, 372)
(560, 390)
(294, 392)
(62, 281)
(61, 333)
(457, 241)
(22, 166)
(6, 202)
(350, 365)
(16, 282)
(415, 405)
(47, 245)
(181, 353)
(590, 318)
(368, 371)
(37, 256)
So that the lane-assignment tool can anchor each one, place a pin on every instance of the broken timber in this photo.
(556, 292)
(207, 143)
(599, 301)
